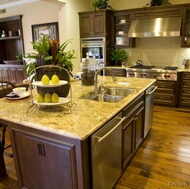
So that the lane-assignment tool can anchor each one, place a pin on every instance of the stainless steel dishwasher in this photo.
(149, 108)
(106, 154)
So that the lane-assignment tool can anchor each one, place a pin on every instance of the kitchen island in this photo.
(51, 145)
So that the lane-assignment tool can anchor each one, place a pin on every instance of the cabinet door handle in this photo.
(109, 132)
(154, 88)
(41, 149)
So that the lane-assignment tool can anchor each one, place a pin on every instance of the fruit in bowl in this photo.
(45, 80)
(55, 79)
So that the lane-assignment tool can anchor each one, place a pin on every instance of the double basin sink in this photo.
(109, 94)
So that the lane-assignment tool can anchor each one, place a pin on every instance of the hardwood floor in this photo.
(162, 161)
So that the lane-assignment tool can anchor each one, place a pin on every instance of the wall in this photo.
(44, 12)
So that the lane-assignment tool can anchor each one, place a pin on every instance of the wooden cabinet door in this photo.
(185, 39)
(121, 29)
(99, 24)
(86, 25)
(13, 73)
(92, 24)
(133, 127)
(139, 125)
(40, 161)
(127, 147)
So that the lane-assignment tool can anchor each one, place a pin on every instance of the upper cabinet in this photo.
(11, 44)
(186, 28)
(122, 20)
(96, 23)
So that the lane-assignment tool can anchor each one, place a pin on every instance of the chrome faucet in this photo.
(96, 88)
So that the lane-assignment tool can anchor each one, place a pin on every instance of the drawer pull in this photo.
(41, 149)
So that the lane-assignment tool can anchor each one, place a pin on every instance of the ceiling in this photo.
(11, 3)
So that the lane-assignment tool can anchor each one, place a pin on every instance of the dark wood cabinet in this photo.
(122, 21)
(41, 156)
(185, 40)
(13, 73)
(96, 23)
(166, 93)
(184, 97)
(119, 72)
(11, 45)
(133, 130)
(46, 160)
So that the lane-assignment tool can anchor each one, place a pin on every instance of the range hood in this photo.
(155, 27)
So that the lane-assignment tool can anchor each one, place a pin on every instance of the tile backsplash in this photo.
(159, 51)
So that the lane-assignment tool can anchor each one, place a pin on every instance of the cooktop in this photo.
(150, 67)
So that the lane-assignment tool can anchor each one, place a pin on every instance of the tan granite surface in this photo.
(86, 116)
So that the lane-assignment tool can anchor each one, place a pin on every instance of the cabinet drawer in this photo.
(164, 99)
(164, 91)
(186, 75)
(165, 84)
(185, 101)
(186, 83)
(186, 92)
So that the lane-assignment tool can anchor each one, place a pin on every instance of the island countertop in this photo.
(85, 117)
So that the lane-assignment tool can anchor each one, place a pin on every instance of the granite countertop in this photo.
(85, 117)
(127, 67)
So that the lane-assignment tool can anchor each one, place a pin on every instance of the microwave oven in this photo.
(95, 47)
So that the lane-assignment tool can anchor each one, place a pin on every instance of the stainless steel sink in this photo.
(108, 98)
(110, 94)
(118, 91)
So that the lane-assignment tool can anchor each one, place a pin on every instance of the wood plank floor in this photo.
(162, 161)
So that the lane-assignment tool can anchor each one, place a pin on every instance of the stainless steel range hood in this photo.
(155, 27)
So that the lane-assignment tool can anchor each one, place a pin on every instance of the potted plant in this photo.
(19, 58)
(118, 56)
(48, 51)
(101, 4)
(159, 2)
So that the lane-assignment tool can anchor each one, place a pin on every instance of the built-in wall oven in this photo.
(95, 47)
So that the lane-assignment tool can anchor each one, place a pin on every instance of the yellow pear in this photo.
(55, 79)
(47, 97)
(45, 80)
(54, 98)
(40, 98)
(72, 79)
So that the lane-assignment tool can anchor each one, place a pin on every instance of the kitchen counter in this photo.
(53, 135)
(86, 115)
